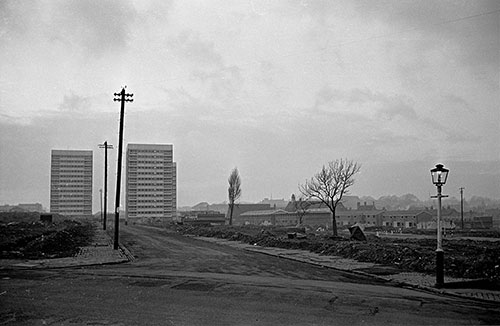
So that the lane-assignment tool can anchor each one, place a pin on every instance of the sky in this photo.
(274, 88)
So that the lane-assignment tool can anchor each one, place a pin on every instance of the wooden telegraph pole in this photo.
(105, 146)
(122, 97)
(462, 207)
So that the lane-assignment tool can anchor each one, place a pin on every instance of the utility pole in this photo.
(462, 206)
(105, 146)
(100, 197)
(122, 97)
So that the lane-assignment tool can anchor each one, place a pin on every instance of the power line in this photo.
(469, 17)
(414, 29)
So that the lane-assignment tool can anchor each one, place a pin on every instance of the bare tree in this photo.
(330, 184)
(234, 191)
(301, 208)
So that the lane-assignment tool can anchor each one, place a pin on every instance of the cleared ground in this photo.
(178, 280)
(470, 258)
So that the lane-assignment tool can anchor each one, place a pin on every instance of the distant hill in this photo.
(203, 206)
(404, 202)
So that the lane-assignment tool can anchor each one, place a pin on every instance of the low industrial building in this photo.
(317, 215)
(204, 218)
(405, 219)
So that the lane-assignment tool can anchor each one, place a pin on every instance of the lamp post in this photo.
(439, 175)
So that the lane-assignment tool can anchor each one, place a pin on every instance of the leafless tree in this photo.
(301, 208)
(330, 184)
(234, 191)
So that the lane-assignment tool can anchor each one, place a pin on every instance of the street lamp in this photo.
(439, 175)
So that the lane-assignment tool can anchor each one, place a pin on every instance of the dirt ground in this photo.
(465, 258)
(179, 280)
(36, 240)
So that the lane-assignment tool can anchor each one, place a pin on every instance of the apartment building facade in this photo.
(71, 183)
(151, 183)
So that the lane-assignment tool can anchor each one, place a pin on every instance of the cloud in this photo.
(471, 26)
(224, 83)
(382, 123)
(219, 81)
(459, 103)
(11, 120)
(158, 10)
(25, 150)
(364, 103)
(396, 112)
(398, 108)
(419, 37)
(74, 103)
(189, 45)
(277, 92)
(98, 26)
(16, 17)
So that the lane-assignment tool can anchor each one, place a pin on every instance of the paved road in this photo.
(177, 280)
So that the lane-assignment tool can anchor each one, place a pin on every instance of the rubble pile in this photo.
(464, 258)
(37, 240)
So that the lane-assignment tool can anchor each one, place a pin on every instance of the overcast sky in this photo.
(275, 88)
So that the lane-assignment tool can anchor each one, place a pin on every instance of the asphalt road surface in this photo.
(177, 280)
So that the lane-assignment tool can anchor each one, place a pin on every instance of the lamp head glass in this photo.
(439, 175)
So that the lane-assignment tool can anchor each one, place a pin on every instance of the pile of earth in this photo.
(36, 240)
(29, 217)
(463, 258)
